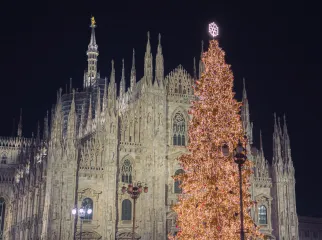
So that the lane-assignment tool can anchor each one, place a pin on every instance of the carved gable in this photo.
(179, 82)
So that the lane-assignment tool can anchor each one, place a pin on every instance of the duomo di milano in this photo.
(103, 137)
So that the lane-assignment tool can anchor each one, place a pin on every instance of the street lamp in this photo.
(134, 190)
(81, 213)
(240, 158)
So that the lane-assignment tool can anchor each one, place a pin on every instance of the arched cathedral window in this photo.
(87, 203)
(126, 209)
(4, 159)
(262, 214)
(2, 215)
(126, 171)
(179, 130)
(177, 183)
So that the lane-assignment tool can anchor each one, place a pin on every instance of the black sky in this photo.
(275, 45)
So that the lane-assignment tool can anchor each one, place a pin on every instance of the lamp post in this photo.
(81, 213)
(240, 158)
(134, 190)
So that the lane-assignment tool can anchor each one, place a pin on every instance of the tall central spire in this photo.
(92, 54)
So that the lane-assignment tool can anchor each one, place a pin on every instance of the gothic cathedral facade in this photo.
(99, 139)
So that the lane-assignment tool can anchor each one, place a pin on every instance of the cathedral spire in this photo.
(133, 73)
(105, 95)
(58, 119)
(201, 64)
(277, 151)
(148, 68)
(46, 127)
(261, 142)
(112, 89)
(92, 54)
(82, 120)
(159, 68)
(71, 124)
(122, 83)
(19, 131)
(38, 131)
(287, 147)
(194, 69)
(89, 115)
(248, 127)
(98, 104)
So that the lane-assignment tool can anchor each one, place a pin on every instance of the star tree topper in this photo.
(213, 29)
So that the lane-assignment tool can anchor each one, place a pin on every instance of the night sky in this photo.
(276, 46)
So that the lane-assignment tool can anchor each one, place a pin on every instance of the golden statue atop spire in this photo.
(93, 22)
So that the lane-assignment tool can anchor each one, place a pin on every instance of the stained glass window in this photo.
(179, 130)
(126, 171)
(88, 204)
(262, 215)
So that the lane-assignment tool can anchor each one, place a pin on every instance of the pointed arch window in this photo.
(177, 183)
(179, 130)
(126, 171)
(2, 216)
(126, 209)
(262, 214)
(87, 203)
(4, 159)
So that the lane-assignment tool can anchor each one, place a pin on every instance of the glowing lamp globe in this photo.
(89, 211)
(123, 189)
(81, 210)
(74, 211)
(239, 148)
(130, 187)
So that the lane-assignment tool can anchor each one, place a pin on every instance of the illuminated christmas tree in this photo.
(209, 207)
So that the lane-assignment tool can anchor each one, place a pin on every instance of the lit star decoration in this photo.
(208, 207)
(213, 29)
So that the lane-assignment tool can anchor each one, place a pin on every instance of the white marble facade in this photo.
(98, 140)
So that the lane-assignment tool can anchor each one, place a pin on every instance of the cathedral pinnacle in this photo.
(122, 84)
(133, 73)
(194, 69)
(201, 65)
(159, 65)
(159, 45)
(92, 54)
(148, 68)
(248, 128)
(19, 132)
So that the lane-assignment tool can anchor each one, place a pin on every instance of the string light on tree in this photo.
(213, 29)
(209, 207)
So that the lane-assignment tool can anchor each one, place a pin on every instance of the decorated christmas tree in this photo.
(209, 207)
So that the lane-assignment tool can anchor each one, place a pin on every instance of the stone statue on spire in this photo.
(93, 22)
